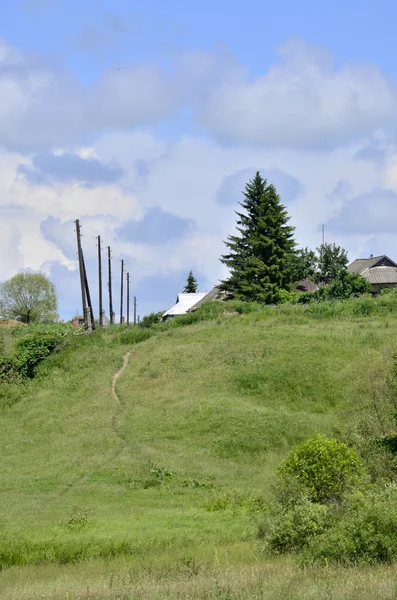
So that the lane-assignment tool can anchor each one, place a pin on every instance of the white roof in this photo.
(183, 303)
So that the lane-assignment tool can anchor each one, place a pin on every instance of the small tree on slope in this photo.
(28, 297)
(259, 258)
(191, 286)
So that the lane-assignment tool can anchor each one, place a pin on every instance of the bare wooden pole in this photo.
(91, 320)
(81, 270)
(128, 298)
(101, 323)
(111, 313)
(134, 310)
(121, 291)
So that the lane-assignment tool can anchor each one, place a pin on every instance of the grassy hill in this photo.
(162, 492)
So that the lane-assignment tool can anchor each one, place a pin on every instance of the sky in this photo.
(145, 120)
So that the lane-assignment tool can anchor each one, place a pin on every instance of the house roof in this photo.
(183, 303)
(207, 297)
(361, 264)
(382, 275)
(306, 285)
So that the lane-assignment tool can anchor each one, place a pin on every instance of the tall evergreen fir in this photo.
(259, 258)
(191, 286)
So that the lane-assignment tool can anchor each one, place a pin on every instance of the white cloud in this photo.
(304, 100)
(41, 107)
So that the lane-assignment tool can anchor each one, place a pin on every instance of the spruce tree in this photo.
(191, 286)
(259, 258)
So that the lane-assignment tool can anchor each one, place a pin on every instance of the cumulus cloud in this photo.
(304, 100)
(48, 167)
(157, 227)
(41, 108)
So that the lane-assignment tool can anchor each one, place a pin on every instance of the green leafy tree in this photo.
(304, 264)
(332, 260)
(259, 258)
(191, 286)
(347, 285)
(28, 297)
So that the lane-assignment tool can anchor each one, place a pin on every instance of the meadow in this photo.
(162, 493)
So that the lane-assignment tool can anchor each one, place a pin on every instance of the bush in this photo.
(290, 297)
(326, 468)
(366, 533)
(294, 528)
(150, 320)
(36, 344)
(348, 285)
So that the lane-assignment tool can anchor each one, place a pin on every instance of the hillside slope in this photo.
(206, 414)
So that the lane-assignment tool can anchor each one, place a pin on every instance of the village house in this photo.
(188, 303)
(380, 271)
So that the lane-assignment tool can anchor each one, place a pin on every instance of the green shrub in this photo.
(366, 533)
(294, 528)
(36, 344)
(149, 320)
(348, 285)
(326, 468)
(291, 297)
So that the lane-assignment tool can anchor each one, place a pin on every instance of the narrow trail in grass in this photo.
(118, 374)
(115, 422)
(115, 395)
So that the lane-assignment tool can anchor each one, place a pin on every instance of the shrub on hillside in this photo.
(36, 344)
(366, 532)
(326, 468)
(149, 320)
(295, 527)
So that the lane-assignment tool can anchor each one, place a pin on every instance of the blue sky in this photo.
(145, 119)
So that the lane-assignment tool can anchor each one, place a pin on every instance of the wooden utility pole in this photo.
(111, 313)
(121, 292)
(87, 321)
(134, 310)
(101, 319)
(128, 298)
(91, 323)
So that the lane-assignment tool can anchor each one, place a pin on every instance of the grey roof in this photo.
(361, 264)
(306, 285)
(210, 296)
(381, 275)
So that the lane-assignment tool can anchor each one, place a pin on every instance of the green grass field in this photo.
(160, 495)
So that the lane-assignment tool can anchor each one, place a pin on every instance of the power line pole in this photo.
(323, 235)
(128, 298)
(111, 313)
(101, 323)
(91, 322)
(134, 310)
(121, 292)
(81, 270)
